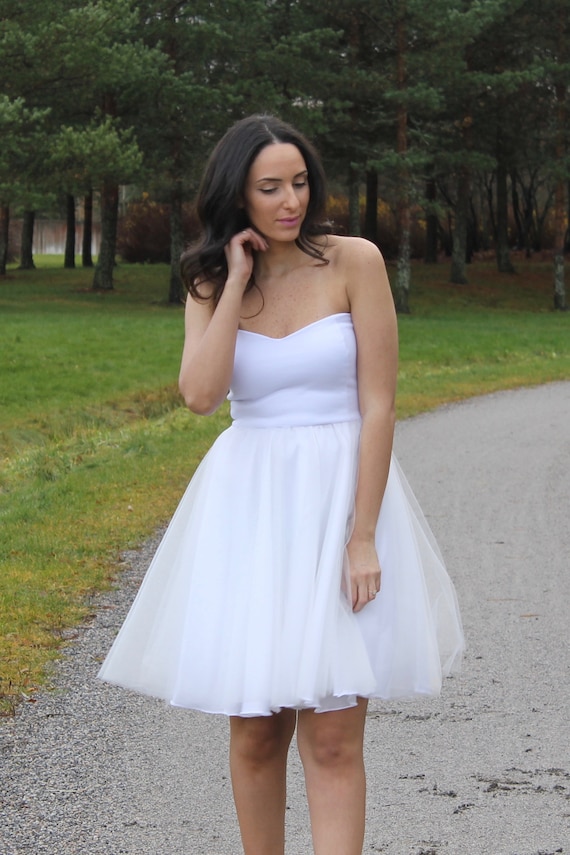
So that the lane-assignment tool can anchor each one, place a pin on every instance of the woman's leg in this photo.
(258, 763)
(331, 749)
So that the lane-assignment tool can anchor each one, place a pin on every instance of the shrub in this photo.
(387, 233)
(143, 235)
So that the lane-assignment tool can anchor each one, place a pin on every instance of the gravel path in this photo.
(484, 770)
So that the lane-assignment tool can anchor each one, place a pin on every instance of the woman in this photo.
(266, 599)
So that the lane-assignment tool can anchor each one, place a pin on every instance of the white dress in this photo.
(243, 610)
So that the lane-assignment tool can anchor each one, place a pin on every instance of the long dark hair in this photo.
(221, 190)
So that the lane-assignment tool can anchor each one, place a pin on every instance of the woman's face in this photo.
(276, 192)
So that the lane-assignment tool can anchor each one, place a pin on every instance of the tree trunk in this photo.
(559, 284)
(176, 290)
(402, 295)
(371, 212)
(403, 280)
(446, 236)
(4, 236)
(103, 277)
(472, 231)
(560, 187)
(353, 201)
(459, 251)
(491, 207)
(27, 244)
(504, 264)
(430, 254)
(539, 218)
(559, 240)
(69, 256)
(517, 213)
(109, 204)
(86, 257)
(567, 238)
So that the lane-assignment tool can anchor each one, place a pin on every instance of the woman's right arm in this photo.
(210, 333)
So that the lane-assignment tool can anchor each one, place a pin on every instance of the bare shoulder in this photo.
(348, 251)
(361, 266)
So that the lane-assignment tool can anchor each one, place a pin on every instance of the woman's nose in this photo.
(291, 198)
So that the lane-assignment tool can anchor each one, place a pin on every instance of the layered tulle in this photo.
(243, 610)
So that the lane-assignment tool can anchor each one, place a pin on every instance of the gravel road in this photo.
(89, 769)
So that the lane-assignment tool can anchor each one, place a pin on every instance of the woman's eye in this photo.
(268, 189)
(300, 184)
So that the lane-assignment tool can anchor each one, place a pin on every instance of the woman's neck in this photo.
(279, 260)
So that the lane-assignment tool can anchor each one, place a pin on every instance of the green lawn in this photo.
(96, 449)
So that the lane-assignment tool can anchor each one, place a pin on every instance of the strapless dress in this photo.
(244, 610)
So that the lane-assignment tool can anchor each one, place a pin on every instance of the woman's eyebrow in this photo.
(302, 174)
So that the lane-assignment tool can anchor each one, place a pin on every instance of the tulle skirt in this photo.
(244, 611)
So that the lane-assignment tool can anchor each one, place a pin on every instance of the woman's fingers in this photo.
(364, 590)
(239, 252)
(364, 571)
(251, 237)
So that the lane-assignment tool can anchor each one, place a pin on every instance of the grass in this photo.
(95, 448)
(498, 332)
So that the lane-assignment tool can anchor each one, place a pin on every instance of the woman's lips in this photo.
(289, 221)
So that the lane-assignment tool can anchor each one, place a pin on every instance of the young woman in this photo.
(297, 578)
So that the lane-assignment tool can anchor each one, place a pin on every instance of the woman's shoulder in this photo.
(348, 249)
(359, 264)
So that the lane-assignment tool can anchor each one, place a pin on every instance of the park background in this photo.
(444, 130)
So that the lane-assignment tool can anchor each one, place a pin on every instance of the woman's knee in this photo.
(331, 740)
(261, 739)
(331, 750)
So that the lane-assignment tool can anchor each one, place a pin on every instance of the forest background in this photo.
(444, 131)
(443, 124)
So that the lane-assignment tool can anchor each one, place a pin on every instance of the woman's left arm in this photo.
(374, 319)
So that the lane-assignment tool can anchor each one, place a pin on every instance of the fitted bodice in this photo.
(305, 378)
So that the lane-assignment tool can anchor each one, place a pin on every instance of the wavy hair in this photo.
(221, 191)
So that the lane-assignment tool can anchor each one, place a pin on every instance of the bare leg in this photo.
(331, 749)
(258, 763)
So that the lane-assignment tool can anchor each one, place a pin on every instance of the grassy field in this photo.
(95, 448)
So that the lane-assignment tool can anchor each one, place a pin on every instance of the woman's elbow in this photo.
(200, 408)
(198, 402)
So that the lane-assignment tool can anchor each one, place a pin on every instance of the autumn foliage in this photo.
(144, 232)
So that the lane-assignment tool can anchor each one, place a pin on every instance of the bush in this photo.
(143, 235)
(144, 232)
(387, 234)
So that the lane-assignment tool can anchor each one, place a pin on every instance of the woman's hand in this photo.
(365, 572)
(239, 255)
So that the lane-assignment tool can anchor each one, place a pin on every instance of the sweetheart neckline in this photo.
(295, 332)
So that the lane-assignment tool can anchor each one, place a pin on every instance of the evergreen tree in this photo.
(225, 60)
